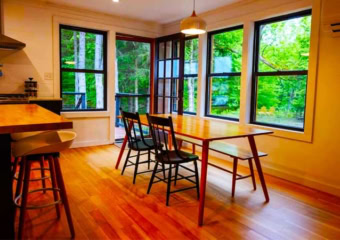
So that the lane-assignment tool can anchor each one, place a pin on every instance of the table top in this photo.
(29, 117)
(208, 129)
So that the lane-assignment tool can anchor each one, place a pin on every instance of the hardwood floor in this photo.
(106, 205)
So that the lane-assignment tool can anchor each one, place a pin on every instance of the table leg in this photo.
(6, 203)
(204, 169)
(258, 166)
(170, 140)
(123, 147)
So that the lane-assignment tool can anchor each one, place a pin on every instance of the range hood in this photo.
(7, 44)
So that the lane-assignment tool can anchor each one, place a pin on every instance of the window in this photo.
(190, 75)
(224, 73)
(133, 61)
(82, 69)
(280, 71)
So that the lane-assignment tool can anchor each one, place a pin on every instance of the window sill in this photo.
(278, 132)
(99, 114)
(285, 133)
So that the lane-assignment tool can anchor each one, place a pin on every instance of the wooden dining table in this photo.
(16, 118)
(207, 130)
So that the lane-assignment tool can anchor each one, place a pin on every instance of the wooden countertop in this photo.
(29, 117)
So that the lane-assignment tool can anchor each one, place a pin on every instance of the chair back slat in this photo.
(133, 128)
(159, 128)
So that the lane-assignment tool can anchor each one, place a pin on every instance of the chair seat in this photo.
(141, 146)
(175, 159)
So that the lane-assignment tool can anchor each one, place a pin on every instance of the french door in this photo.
(169, 67)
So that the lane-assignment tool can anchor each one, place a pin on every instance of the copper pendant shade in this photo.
(193, 24)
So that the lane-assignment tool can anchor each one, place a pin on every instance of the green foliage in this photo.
(133, 62)
(69, 60)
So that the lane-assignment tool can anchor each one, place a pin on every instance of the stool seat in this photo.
(19, 136)
(43, 143)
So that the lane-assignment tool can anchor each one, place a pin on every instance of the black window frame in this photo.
(256, 73)
(209, 75)
(189, 38)
(104, 71)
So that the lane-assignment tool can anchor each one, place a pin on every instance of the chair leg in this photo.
(169, 186)
(250, 161)
(163, 165)
(234, 176)
(149, 158)
(136, 167)
(24, 198)
(176, 173)
(63, 194)
(152, 177)
(42, 173)
(126, 160)
(197, 180)
(54, 184)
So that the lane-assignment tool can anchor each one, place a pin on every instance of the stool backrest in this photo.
(133, 128)
(160, 129)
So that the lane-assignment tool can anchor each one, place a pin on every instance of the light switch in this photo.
(48, 76)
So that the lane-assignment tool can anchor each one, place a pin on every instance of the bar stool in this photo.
(20, 136)
(31, 149)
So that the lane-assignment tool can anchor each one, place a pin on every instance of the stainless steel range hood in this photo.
(7, 44)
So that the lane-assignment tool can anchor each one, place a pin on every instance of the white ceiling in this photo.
(160, 11)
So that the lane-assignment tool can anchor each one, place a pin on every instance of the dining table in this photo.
(17, 118)
(207, 130)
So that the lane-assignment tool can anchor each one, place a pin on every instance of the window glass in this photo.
(281, 72)
(191, 56)
(226, 54)
(224, 75)
(225, 96)
(83, 74)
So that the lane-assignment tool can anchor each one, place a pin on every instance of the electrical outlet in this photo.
(48, 76)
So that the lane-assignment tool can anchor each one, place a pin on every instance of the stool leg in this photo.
(163, 166)
(152, 177)
(234, 177)
(250, 161)
(197, 180)
(24, 198)
(176, 173)
(20, 181)
(15, 166)
(63, 195)
(42, 172)
(126, 160)
(54, 184)
(169, 186)
(136, 168)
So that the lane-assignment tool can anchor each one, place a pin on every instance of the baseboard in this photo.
(90, 143)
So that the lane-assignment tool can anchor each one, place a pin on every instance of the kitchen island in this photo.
(16, 118)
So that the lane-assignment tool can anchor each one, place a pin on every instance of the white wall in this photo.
(311, 159)
(37, 24)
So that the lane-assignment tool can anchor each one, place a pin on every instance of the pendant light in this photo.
(193, 24)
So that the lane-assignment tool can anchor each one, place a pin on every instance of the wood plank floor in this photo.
(106, 205)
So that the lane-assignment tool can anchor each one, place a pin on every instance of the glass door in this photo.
(169, 74)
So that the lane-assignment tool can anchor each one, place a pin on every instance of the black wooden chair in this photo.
(137, 142)
(163, 155)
